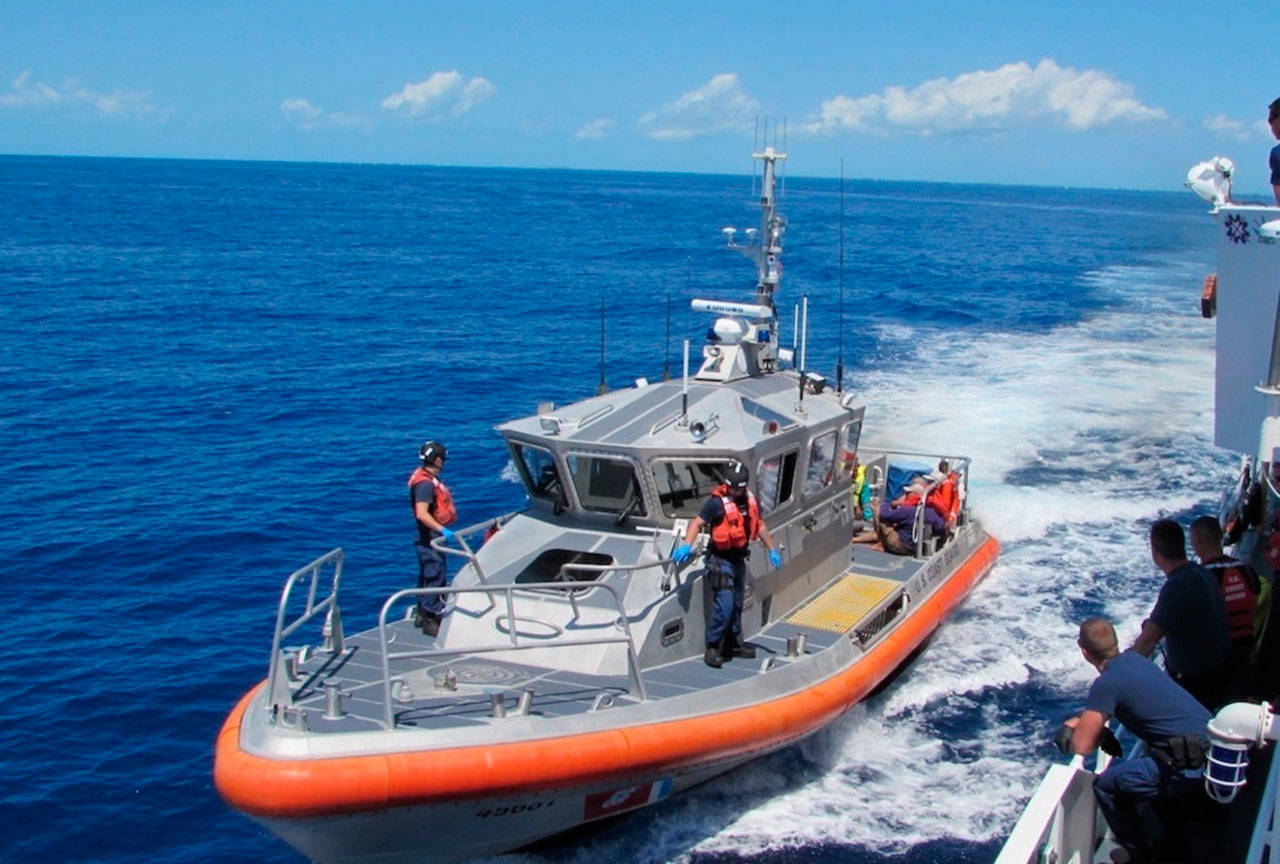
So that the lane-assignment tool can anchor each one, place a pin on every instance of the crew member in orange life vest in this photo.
(735, 521)
(433, 512)
(1241, 591)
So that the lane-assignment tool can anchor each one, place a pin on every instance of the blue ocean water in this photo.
(213, 372)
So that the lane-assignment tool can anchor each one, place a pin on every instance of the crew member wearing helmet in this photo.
(433, 512)
(734, 518)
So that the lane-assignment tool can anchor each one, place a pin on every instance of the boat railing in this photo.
(461, 535)
(1061, 821)
(577, 588)
(515, 642)
(277, 677)
(959, 464)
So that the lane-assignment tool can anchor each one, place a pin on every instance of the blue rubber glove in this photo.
(682, 553)
(447, 534)
(775, 558)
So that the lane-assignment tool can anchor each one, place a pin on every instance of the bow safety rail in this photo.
(281, 696)
(513, 631)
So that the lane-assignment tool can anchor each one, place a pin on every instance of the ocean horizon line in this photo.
(603, 171)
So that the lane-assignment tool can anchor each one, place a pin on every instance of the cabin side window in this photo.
(539, 472)
(607, 484)
(684, 484)
(822, 454)
(849, 446)
(776, 480)
(852, 433)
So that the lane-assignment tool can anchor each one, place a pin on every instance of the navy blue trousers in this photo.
(431, 574)
(727, 594)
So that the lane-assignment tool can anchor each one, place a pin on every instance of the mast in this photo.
(743, 342)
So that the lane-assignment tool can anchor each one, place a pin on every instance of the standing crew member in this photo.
(1247, 598)
(1191, 618)
(433, 512)
(735, 521)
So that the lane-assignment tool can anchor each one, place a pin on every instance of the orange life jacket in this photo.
(442, 507)
(944, 498)
(733, 532)
(1239, 587)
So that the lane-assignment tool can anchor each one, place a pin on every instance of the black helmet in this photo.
(736, 476)
(431, 451)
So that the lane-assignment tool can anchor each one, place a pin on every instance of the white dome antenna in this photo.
(1211, 180)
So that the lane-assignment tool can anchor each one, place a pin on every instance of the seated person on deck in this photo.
(895, 521)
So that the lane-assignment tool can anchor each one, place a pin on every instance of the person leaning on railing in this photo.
(1132, 689)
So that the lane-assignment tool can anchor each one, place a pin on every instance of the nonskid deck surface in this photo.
(451, 691)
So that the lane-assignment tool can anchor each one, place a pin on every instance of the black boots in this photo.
(734, 648)
(728, 648)
(426, 622)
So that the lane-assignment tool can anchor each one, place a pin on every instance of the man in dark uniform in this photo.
(433, 511)
(1273, 120)
(1132, 689)
(734, 518)
(1191, 617)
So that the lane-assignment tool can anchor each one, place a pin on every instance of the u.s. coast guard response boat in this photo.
(566, 682)
(1061, 822)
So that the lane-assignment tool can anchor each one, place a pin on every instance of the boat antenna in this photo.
(782, 188)
(840, 317)
(804, 341)
(666, 344)
(684, 393)
(603, 389)
(755, 148)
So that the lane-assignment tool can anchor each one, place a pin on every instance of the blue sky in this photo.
(1119, 94)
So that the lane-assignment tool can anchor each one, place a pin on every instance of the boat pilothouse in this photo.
(566, 682)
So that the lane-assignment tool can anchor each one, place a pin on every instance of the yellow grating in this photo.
(845, 603)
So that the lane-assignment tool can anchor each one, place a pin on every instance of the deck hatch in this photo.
(845, 603)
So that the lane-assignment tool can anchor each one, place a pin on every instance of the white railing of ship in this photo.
(1266, 828)
(1061, 821)
(513, 628)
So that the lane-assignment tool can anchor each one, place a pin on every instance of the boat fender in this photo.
(1209, 296)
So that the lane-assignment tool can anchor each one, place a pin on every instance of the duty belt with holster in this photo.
(719, 573)
(1180, 753)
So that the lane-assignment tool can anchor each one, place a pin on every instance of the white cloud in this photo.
(25, 93)
(300, 109)
(991, 99)
(719, 105)
(308, 116)
(1237, 129)
(596, 129)
(443, 94)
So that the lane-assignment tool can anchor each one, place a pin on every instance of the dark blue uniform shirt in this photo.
(1193, 616)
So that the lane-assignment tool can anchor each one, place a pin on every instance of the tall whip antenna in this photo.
(666, 345)
(840, 354)
(603, 387)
